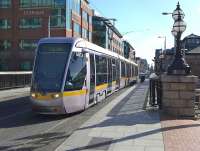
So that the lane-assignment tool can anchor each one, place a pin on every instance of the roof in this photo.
(81, 43)
(58, 40)
(192, 36)
(89, 45)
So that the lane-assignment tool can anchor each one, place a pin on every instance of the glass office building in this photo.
(24, 22)
(106, 35)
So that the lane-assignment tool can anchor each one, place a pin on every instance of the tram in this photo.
(71, 74)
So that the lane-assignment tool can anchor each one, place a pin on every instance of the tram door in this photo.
(92, 79)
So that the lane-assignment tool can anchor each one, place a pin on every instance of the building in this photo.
(129, 52)
(142, 65)
(106, 35)
(190, 42)
(157, 61)
(192, 58)
(24, 22)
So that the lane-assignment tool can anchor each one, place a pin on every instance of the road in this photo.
(22, 130)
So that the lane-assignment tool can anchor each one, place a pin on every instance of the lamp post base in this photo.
(179, 67)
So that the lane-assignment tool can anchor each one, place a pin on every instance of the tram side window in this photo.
(110, 70)
(127, 70)
(136, 71)
(76, 72)
(133, 71)
(117, 69)
(114, 69)
(101, 70)
(122, 69)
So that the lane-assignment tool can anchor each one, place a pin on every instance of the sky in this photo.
(144, 21)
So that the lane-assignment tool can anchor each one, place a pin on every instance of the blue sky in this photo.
(144, 18)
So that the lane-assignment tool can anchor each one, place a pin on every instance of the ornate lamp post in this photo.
(179, 65)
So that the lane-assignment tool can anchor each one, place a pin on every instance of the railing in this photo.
(155, 91)
(14, 79)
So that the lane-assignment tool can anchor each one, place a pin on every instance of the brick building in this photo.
(24, 22)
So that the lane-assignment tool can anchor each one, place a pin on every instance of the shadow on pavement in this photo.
(136, 115)
(131, 137)
(115, 118)
(34, 142)
(14, 105)
(18, 112)
(142, 117)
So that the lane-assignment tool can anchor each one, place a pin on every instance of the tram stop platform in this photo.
(125, 124)
(14, 93)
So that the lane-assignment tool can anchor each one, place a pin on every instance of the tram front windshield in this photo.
(50, 66)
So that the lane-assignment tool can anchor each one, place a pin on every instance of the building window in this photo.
(58, 18)
(25, 3)
(5, 24)
(5, 3)
(77, 28)
(4, 45)
(34, 22)
(59, 3)
(90, 20)
(76, 6)
(42, 3)
(84, 33)
(28, 44)
(85, 16)
(90, 36)
(68, 14)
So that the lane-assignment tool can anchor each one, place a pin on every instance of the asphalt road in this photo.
(22, 130)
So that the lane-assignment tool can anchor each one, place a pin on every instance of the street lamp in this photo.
(164, 41)
(179, 65)
(49, 26)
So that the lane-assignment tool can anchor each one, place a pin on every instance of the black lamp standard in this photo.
(179, 65)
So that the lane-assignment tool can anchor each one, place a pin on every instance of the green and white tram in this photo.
(71, 74)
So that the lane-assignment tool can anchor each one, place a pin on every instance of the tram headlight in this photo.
(56, 95)
(33, 95)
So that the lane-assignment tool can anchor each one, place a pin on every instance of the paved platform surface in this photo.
(180, 134)
(14, 93)
(122, 125)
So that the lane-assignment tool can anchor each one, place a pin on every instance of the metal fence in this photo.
(15, 79)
